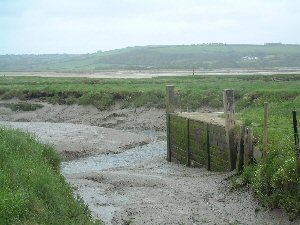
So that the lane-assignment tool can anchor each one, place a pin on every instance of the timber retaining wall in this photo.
(200, 143)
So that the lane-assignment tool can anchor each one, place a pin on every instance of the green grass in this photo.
(22, 106)
(32, 190)
(194, 91)
(273, 179)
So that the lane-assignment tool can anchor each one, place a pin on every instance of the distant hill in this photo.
(204, 56)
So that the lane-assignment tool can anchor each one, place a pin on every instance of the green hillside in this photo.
(204, 56)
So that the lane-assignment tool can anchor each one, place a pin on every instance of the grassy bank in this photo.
(273, 179)
(32, 191)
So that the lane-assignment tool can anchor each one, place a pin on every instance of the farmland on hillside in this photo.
(202, 56)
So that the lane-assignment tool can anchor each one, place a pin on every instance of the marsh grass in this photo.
(32, 190)
(22, 106)
(193, 91)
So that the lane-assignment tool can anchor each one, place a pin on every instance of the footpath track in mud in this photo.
(127, 181)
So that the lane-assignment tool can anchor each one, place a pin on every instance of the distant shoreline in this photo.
(156, 73)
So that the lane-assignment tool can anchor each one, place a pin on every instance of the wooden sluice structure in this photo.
(213, 140)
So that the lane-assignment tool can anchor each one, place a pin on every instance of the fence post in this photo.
(296, 137)
(188, 154)
(208, 147)
(248, 146)
(266, 129)
(170, 108)
(240, 154)
(229, 110)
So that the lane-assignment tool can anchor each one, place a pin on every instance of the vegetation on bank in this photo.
(273, 179)
(200, 56)
(193, 91)
(22, 106)
(32, 190)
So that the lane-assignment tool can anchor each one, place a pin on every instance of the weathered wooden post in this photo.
(297, 146)
(248, 146)
(229, 110)
(188, 153)
(240, 153)
(170, 108)
(266, 129)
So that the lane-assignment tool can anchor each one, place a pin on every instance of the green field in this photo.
(202, 56)
(273, 179)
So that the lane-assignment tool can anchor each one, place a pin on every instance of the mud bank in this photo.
(76, 140)
(141, 118)
(134, 118)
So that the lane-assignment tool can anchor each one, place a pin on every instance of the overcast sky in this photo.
(86, 26)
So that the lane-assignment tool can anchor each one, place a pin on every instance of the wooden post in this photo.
(297, 146)
(188, 154)
(170, 108)
(266, 128)
(240, 154)
(248, 146)
(208, 148)
(229, 110)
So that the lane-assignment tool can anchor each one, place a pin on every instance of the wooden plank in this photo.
(178, 137)
(170, 108)
(178, 151)
(198, 141)
(248, 146)
(196, 164)
(297, 146)
(208, 149)
(196, 157)
(170, 99)
(218, 149)
(181, 159)
(188, 163)
(229, 110)
(240, 155)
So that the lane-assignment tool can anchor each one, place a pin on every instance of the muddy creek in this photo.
(113, 161)
(124, 178)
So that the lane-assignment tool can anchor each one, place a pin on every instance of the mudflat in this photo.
(116, 160)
